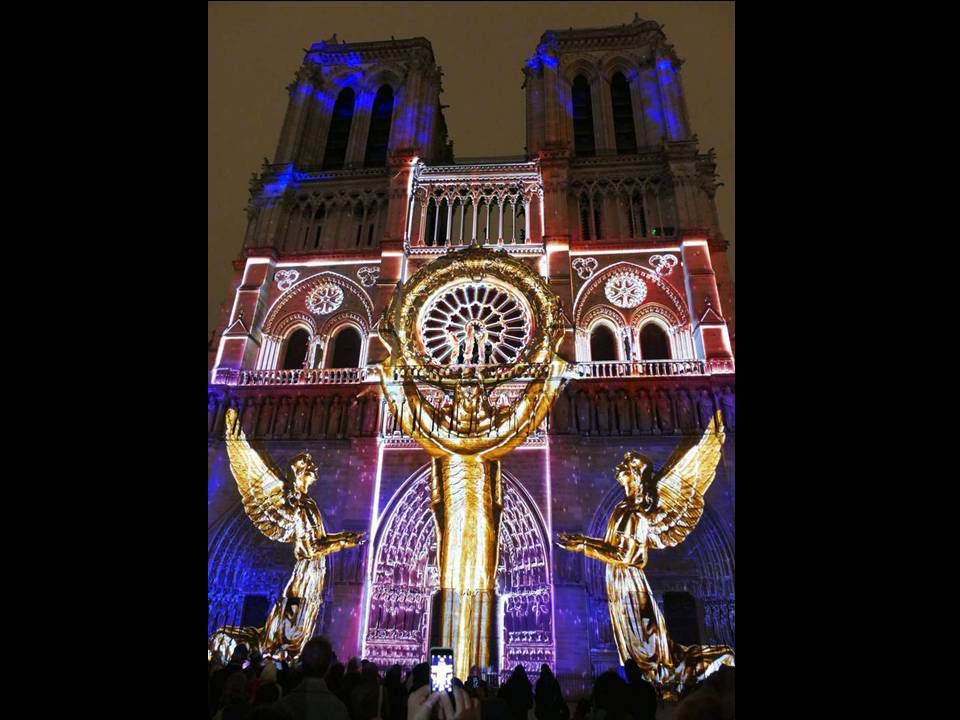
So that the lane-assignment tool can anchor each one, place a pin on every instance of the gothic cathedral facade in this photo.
(613, 204)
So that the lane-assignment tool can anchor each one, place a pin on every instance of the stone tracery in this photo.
(625, 289)
(324, 298)
(405, 576)
(475, 323)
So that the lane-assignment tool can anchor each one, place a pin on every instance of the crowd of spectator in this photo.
(251, 687)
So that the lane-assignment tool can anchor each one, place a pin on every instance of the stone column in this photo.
(449, 219)
(553, 113)
(599, 117)
(526, 220)
(639, 113)
(473, 232)
(593, 225)
(249, 237)
(340, 208)
(301, 94)
(654, 128)
(605, 116)
(357, 145)
(362, 239)
(711, 336)
(500, 231)
(420, 237)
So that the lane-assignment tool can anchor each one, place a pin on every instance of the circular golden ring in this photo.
(400, 321)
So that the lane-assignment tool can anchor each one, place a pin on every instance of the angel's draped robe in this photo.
(293, 617)
(638, 624)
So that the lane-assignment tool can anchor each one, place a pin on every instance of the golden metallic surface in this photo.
(659, 511)
(283, 511)
(461, 416)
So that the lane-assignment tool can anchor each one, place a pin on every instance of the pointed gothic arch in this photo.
(677, 304)
(404, 575)
(291, 300)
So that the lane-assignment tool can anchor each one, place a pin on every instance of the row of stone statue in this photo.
(609, 411)
(583, 409)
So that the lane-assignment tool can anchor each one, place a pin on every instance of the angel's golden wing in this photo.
(681, 485)
(260, 484)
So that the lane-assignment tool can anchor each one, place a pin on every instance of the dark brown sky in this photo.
(255, 48)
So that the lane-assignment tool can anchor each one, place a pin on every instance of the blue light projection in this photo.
(652, 108)
(340, 70)
(670, 91)
(287, 177)
(540, 55)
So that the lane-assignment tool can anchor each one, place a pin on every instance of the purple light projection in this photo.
(405, 577)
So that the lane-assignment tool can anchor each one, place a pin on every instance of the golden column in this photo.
(472, 372)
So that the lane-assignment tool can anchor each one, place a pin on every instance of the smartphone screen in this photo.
(441, 669)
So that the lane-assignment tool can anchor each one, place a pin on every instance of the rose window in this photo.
(324, 298)
(625, 290)
(475, 323)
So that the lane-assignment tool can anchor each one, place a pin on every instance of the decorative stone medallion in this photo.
(368, 275)
(663, 265)
(625, 290)
(585, 267)
(324, 299)
(286, 278)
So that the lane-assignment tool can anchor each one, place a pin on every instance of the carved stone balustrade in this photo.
(596, 369)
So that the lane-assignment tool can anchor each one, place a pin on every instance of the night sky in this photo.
(254, 49)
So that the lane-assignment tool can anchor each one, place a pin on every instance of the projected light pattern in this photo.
(474, 323)
(406, 576)
(287, 177)
(324, 299)
(542, 53)
(670, 90)
(625, 290)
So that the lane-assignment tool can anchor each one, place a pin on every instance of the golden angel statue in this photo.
(659, 511)
(283, 511)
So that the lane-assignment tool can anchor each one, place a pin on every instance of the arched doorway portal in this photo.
(405, 577)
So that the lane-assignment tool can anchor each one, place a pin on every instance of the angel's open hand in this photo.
(333, 542)
(570, 541)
